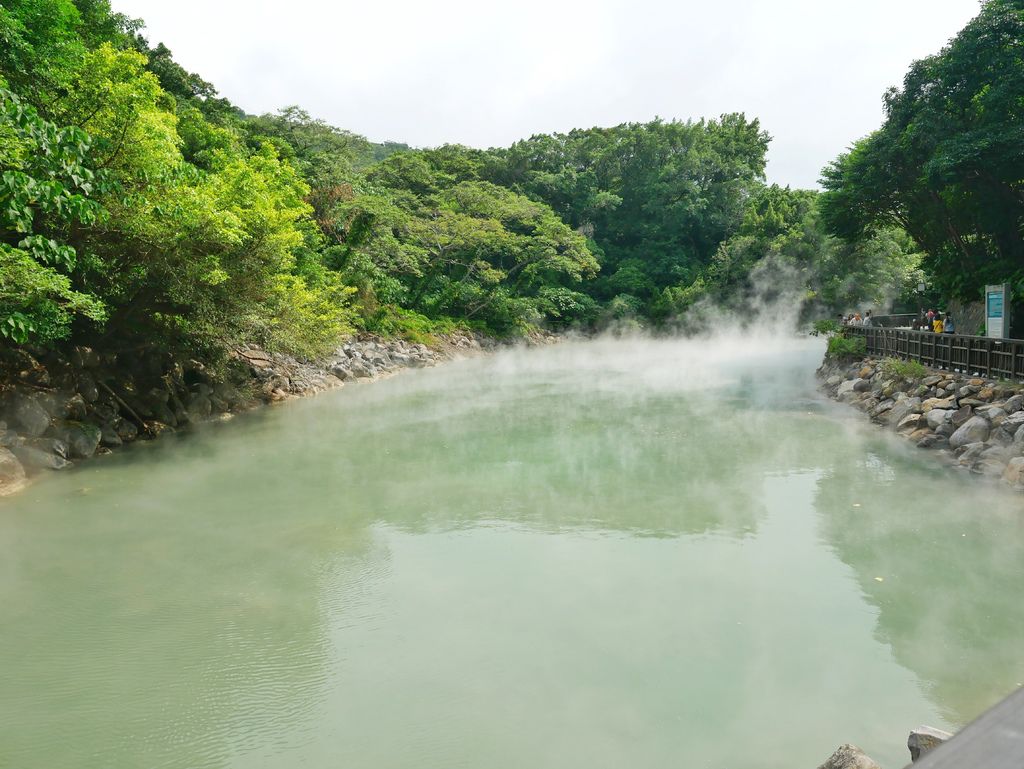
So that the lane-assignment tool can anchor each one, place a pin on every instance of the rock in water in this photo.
(849, 757)
(109, 436)
(1014, 473)
(12, 474)
(82, 439)
(923, 739)
(37, 459)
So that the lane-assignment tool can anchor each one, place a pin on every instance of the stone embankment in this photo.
(976, 424)
(56, 409)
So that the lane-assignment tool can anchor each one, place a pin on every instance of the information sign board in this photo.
(997, 311)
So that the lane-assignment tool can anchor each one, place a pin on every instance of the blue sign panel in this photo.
(995, 304)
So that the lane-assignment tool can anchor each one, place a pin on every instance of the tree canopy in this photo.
(947, 165)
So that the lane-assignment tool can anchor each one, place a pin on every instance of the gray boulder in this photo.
(962, 415)
(933, 442)
(973, 430)
(971, 453)
(87, 388)
(74, 407)
(37, 459)
(937, 417)
(342, 372)
(848, 387)
(910, 423)
(990, 467)
(1013, 422)
(992, 413)
(938, 403)
(12, 474)
(226, 397)
(84, 357)
(1014, 404)
(361, 370)
(923, 739)
(28, 415)
(126, 431)
(903, 408)
(109, 436)
(49, 445)
(849, 757)
(1014, 473)
(882, 407)
(82, 439)
(199, 406)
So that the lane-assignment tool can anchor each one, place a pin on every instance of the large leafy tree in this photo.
(434, 238)
(46, 189)
(948, 163)
(655, 198)
(782, 248)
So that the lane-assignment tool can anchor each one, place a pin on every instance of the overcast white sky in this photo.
(486, 74)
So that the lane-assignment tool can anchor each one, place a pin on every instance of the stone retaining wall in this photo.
(976, 424)
(56, 409)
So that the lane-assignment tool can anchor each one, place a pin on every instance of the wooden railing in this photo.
(978, 355)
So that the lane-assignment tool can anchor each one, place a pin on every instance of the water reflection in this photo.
(951, 574)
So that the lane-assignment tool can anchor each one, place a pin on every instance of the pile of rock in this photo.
(361, 358)
(977, 423)
(922, 740)
(58, 408)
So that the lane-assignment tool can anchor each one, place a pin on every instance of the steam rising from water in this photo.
(624, 551)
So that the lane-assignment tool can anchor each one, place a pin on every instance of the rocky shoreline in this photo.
(973, 423)
(60, 408)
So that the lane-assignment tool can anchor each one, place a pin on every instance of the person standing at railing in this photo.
(937, 324)
(949, 327)
(867, 318)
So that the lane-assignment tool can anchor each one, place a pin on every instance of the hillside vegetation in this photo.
(137, 207)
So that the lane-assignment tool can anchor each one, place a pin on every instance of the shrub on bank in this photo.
(895, 368)
(393, 321)
(842, 347)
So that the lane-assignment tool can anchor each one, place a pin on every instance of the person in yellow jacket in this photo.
(937, 324)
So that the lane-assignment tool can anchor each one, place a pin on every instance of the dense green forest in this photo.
(947, 165)
(137, 207)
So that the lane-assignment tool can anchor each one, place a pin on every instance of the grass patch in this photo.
(894, 368)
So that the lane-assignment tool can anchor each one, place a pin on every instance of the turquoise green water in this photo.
(597, 555)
